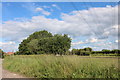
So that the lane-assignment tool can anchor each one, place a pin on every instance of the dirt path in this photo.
(0, 68)
(7, 74)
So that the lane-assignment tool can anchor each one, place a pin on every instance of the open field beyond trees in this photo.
(51, 66)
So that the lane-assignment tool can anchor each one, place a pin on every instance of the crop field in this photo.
(50, 66)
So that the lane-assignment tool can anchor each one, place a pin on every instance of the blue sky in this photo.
(59, 1)
(89, 24)
(19, 9)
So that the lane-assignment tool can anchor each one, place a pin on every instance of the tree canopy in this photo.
(43, 42)
(1, 53)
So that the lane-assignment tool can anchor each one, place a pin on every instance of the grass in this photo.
(50, 66)
(104, 54)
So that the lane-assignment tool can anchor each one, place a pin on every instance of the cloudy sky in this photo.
(88, 24)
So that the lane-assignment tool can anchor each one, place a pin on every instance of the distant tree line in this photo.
(88, 51)
(85, 51)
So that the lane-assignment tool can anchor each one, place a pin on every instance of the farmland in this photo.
(67, 66)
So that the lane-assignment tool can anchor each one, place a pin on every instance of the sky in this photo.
(89, 24)
(60, 0)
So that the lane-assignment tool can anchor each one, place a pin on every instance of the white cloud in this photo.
(42, 11)
(54, 5)
(93, 21)
(96, 45)
(33, 7)
(38, 9)
(108, 6)
(102, 21)
(77, 43)
(93, 40)
(88, 41)
(3, 43)
(106, 45)
(8, 46)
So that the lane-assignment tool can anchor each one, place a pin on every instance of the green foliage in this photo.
(75, 51)
(88, 51)
(16, 53)
(116, 51)
(83, 52)
(33, 46)
(50, 66)
(44, 42)
(105, 52)
(2, 54)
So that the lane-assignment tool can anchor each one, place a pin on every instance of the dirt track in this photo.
(7, 74)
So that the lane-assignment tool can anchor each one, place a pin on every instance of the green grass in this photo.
(50, 66)
(104, 54)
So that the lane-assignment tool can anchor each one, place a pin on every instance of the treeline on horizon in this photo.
(44, 42)
(82, 52)
(89, 51)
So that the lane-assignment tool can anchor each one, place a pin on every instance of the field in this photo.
(50, 66)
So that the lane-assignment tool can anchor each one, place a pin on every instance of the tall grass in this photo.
(50, 66)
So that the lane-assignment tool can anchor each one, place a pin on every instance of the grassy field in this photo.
(50, 66)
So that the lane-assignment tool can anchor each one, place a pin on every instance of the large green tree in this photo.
(43, 42)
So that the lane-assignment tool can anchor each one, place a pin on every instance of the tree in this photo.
(33, 46)
(23, 47)
(26, 44)
(1, 54)
(82, 52)
(44, 42)
(88, 49)
(75, 51)
(116, 51)
(105, 51)
(62, 43)
(40, 35)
